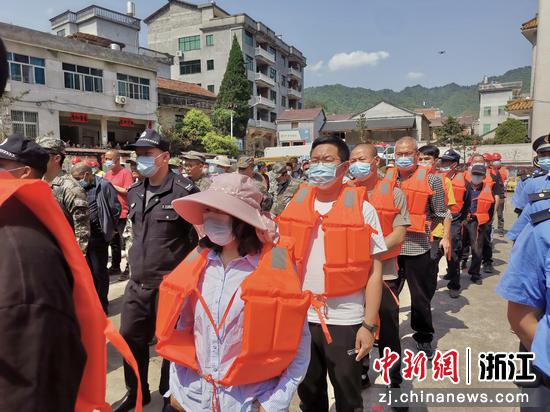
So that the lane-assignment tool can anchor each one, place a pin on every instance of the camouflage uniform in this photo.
(282, 193)
(70, 196)
(203, 183)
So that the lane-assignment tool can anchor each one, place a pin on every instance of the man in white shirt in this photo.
(351, 318)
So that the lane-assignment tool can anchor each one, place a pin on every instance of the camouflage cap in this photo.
(279, 168)
(193, 155)
(244, 162)
(175, 161)
(52, 144)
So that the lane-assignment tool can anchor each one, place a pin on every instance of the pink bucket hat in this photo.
(232, 193)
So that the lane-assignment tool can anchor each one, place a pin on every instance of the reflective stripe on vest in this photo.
(274, 313)
(347, 239)
(383, 201)
(417, 191)
(36, 195)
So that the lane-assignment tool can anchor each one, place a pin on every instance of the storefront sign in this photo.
(79, 117)
(125, 122)
(294, 135)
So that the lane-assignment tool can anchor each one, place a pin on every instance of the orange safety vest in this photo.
(274, 312)
(36, 195)
(347, 237)
(484, 201)
(382, 199)
(417, 191)
(458, 181)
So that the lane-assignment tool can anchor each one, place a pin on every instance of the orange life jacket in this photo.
(274, 313)
(458, 182)
(417, 191)
(382, 199)
(36, 195)
(347, 237)
(484, 201)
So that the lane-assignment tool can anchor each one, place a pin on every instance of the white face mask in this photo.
(218, 227)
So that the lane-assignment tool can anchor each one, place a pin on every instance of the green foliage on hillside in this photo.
(453, 99)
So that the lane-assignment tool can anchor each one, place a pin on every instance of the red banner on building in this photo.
(125, 122)
(79, 117)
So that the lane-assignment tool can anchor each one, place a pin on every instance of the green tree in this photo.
(361, 126)
(195, 125)
(511, 131)
(216, 144)
(451, 131)
(235, 90)
(221, 119)
(179, 142)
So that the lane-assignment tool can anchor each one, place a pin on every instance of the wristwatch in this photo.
(371, 328)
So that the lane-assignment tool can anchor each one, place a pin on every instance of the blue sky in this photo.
(369, 43)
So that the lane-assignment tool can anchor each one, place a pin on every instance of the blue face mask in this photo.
(446, 169)
(322, 174)
(544, 163)
(404, 162)
(146, 165)
(109, 164)
(360, 170)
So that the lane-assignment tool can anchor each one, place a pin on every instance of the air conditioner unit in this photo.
(120, 100)
(179, 54)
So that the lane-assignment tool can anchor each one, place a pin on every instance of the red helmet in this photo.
(75, 160)
(487, 157)
(92, 163)
(497, 156)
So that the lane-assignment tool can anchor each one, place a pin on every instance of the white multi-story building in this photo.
(493, 98)
(201, 37)
(84, 93)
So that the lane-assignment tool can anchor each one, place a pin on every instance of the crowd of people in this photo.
(255, 284)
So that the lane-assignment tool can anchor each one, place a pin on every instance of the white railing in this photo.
(294, 72)
(295, 93)
(264, 101)
(260, 77)
(260, 52)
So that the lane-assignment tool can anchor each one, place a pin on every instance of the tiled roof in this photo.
(183, 87)
(519, 105)
(300, 114)
(530, 24)
(339, 117)
(97, 40)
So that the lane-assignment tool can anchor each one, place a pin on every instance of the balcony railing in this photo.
(265, 55)
(292, 72)
(264, 101)
(264, 79)
(499, 86)
(181, 101)
(262, 124)
(294, 93)
(95, 11)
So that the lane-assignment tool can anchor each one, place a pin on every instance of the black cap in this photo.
(542, 143)
(479, 170)
(150, 138)
(450, 156)
(22, 150)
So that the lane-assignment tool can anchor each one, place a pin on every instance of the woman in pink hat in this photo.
(232, 316)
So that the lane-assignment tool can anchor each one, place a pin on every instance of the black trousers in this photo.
(344, 372)
(117, 245)
(436, 253)
(478, 238)
(500, 214)
(137, 326)
(422, 281)
(97, 256)
(487, 252)
(453, 264)
(389, 329)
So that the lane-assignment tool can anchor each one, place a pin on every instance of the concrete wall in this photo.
(493, 100)
(520, 154)
(540, 123)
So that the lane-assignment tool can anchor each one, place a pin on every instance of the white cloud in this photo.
(315, 67)
(356, 59)
(414, 75)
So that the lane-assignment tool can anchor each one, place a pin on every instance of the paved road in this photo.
(477, 319)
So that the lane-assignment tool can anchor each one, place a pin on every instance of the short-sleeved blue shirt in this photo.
(525, 218)
(532, 185)
(527, 282)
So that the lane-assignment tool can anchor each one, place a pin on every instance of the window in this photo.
(83, 78)
(179, 119)
(294, 125)
(283, 80)
(190, 67)
(273, 95)
(487, 111)
(190, 43)
(249, 62)
(27, 69)
(251, 87)
(501, 110)
(210, 65)
(210, 88)
(273, 73)
(486, 128)
(273, 52)
(300, 106)
(283, 101)
(132, 86)
(61, 33)
(25, 123)
(272, 117)
(209, 39)
(248, 38)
